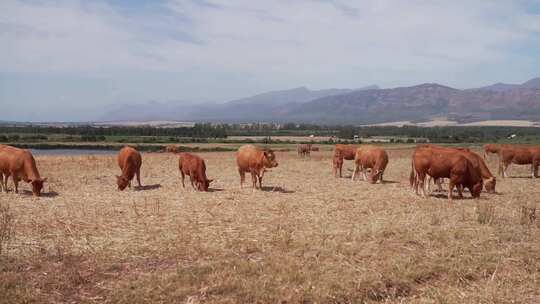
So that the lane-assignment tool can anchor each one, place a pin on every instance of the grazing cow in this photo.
(304, 149)
(344, 152)
(370, 157)
(194, 167)
(477, 162)
(129, 161)
(438, 163)
(491, 148)
(20, 165)
(255, 161)
(171, 149)
(519, 155)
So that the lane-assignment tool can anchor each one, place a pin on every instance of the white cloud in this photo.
(223, 49)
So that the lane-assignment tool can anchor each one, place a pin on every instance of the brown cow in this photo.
(171, 149)
(343, 152)
(438, 163)
(337, 163)
(255, 161)
(519, 155)
(304, 149)
(477, 162)
(370, 157)
(129, 161)
(491, 148)
(20, 165)
(194, 167)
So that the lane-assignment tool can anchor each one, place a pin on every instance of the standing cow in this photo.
(304, 149)
(370, 157)
(194, 167)
(519, 155)
(20, 165)
(342, 152)
(255, 161)
(129, 161)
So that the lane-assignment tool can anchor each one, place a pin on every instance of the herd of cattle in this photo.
(462, 167)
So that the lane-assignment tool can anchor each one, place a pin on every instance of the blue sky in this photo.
(72, 60)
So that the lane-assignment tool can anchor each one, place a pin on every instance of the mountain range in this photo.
(366, 105)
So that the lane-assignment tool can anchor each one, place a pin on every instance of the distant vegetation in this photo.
(270, 133)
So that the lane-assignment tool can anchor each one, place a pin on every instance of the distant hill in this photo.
(259, 107)
(369, 105)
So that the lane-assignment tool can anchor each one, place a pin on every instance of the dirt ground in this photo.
(307, 237)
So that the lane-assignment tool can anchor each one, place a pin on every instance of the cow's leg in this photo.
(242, 177)
(191, 180)
(505, 169)
(460, 190)
(138, 173)
(356, 168)
(439, 181)
(340, 170)
(421, 183)
(535, 168)
(254, 179)
(5, 181)
(450, 188)
(15, 182)
(364, 174)
(2, 182)
(428, 184)
(183, 178)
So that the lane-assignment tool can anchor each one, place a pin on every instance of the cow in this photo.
(347, 152)
(478, 163)
(304, 149)
(437, 163)
(519, 155)
(254, 160)
(337, 163)
(194, 167)
(171, 149)
(491, 148)
(129, 161)
(20, 165)
(370, 157)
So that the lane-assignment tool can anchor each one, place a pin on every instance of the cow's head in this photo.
(490, 185)
(122, 182)
(476, 189)
(37, 185)
(269, 159)
(203, 186)
(374, 176)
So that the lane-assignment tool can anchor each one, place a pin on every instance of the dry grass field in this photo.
(307, 237)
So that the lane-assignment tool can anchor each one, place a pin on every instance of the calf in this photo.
(129, 161)
(370, 157)
(194, 167)
(20, 165)
(255, 161)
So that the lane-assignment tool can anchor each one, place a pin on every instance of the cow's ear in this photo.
(265, 153)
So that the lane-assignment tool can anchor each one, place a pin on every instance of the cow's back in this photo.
(248, 156)
(348, 152)
(129, 158)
